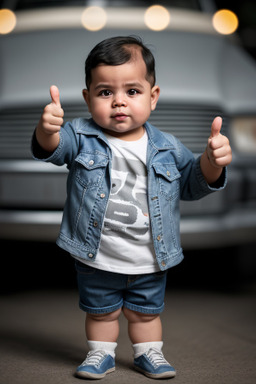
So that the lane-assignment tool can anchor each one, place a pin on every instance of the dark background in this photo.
(246, 12)
(36, 265)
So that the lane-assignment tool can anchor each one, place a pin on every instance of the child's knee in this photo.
(112, 316)
(138, 317)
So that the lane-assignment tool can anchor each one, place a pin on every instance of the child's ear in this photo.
(155, 93)
(87, 98)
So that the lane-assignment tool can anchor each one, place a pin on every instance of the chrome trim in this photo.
(29, 166)
(117, 18)
(235, 228)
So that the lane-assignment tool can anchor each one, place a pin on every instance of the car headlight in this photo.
(243, 131)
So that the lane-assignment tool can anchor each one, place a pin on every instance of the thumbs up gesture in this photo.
(47, 130)
(52, 117)
(218, 149)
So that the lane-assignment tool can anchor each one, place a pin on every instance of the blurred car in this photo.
(201, 74)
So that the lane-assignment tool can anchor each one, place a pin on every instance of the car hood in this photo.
(190, 67)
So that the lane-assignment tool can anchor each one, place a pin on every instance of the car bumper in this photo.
(233, 228)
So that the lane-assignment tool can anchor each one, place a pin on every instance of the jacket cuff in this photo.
(218, 185)
(40, 154)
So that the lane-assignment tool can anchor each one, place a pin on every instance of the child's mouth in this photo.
(119, 116)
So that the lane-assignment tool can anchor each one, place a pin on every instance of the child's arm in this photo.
(217, 155)
(47, 130)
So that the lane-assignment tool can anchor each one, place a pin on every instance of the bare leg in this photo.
(102, 332)
(143, 328)
(103, 327)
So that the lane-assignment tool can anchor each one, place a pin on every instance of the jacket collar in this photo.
(89, 127)
(159, 140)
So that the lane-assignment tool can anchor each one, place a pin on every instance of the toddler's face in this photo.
(120, 99)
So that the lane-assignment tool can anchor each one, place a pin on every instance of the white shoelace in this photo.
(94, 358)
(156, 357)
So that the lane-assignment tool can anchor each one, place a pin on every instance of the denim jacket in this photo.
(173, 174)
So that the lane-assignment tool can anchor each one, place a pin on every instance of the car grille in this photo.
(191, 124)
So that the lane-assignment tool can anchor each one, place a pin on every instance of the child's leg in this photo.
(97, 296)
(103, 327)
(102, 332)
(145, 332)
(143, 328)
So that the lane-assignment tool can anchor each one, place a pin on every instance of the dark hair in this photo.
(117, 51)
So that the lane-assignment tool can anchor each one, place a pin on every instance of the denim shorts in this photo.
(104, 292)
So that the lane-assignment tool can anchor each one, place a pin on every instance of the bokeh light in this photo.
(225, 22)
(157, 18)
(94, 18)
(7, 21)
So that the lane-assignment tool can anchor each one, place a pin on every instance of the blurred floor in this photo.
(209, 337)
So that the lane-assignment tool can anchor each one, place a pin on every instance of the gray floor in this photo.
(210, 337)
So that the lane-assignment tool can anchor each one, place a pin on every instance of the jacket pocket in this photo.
(168, 178)
(90, 168)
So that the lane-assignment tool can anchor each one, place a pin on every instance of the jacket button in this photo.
(90, 255)
(91, 162)
(168, 173)
(159, 237)
(102, 195)
(95, 224)
(163, 264)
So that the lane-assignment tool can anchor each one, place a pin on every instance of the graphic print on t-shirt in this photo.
(127, 211)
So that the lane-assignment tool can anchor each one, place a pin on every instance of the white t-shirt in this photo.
(126, 243)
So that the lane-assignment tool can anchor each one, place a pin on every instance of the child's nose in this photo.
(119, 101)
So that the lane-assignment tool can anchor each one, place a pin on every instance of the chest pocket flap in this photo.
(92, 160)
(168, 180)
(90, 168)
(167, 171)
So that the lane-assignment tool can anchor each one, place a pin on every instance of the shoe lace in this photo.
(156, 357)
(94, 358)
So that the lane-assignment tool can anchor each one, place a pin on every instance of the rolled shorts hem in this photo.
(146, 310)
(113, 308)
(98, 311)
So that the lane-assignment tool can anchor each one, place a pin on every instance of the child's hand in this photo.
(47, 130)
(52, 117)
(217, 155)
(218, 149)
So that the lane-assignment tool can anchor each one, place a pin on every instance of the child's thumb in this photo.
(216, 127)
(55, 95)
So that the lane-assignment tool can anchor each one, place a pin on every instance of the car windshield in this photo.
(32, 4)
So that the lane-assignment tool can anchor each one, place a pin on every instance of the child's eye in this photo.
(105, 93)
(132, 92)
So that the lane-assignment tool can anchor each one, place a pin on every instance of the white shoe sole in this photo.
(96, 376)
(164, 375)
